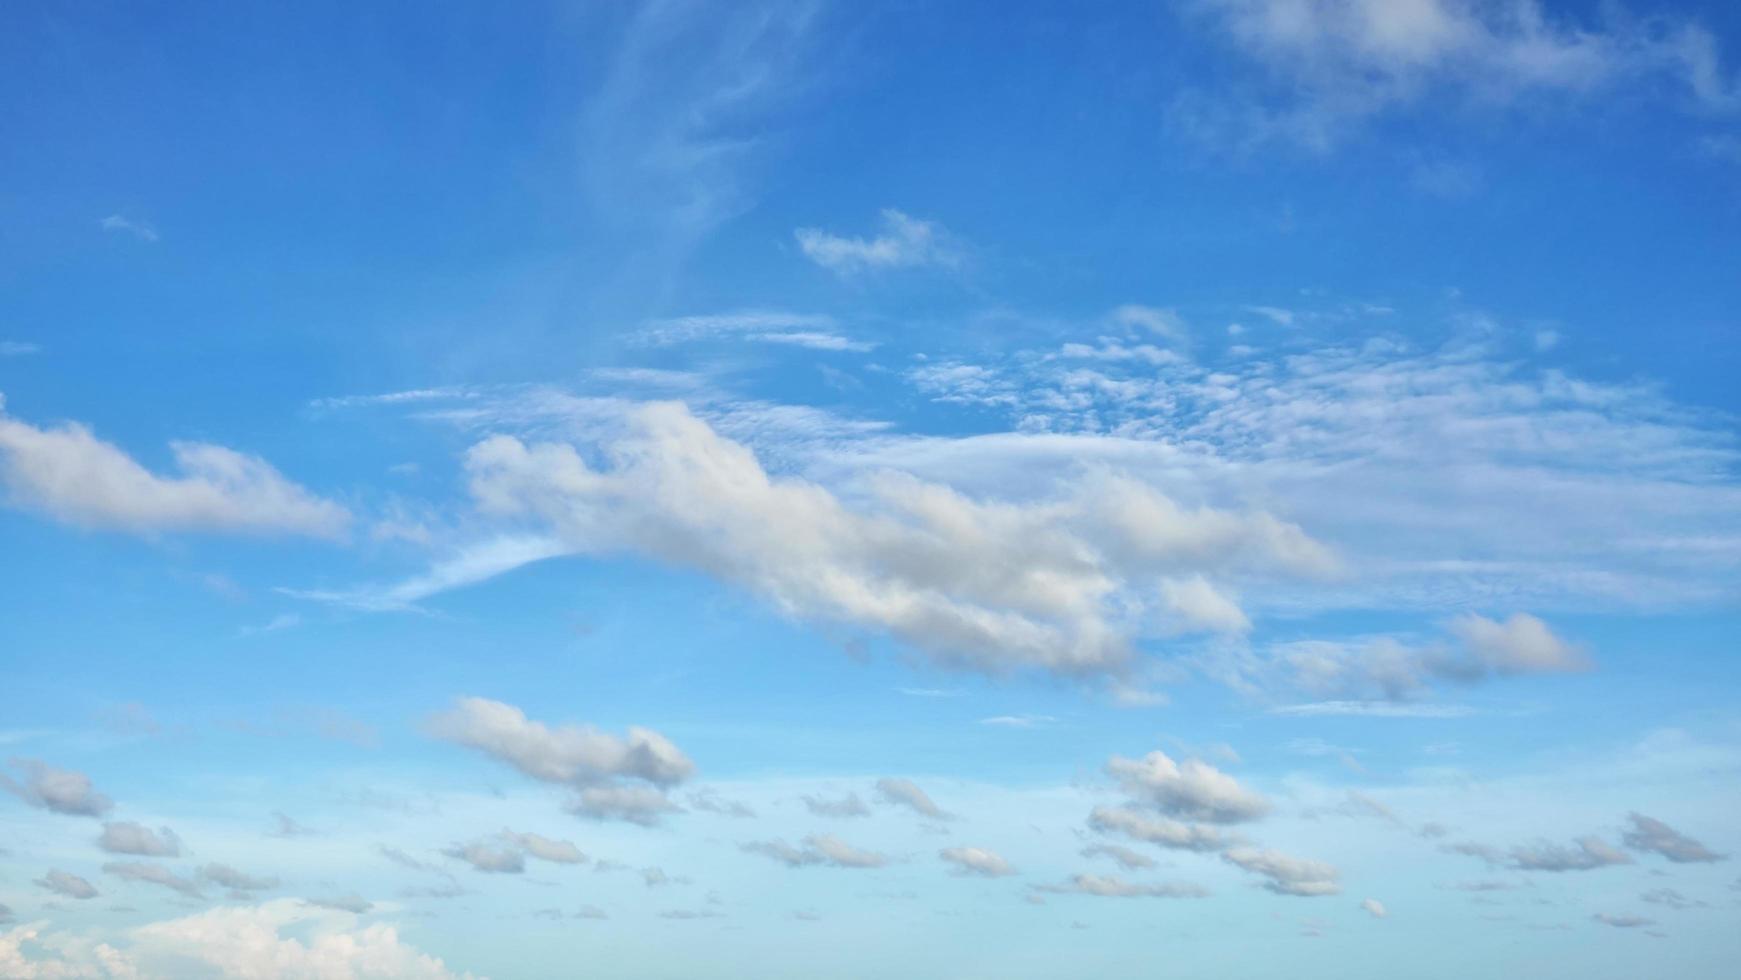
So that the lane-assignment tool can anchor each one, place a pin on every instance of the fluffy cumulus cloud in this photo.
(1649, 834)
(124, 837)
(1341, 61)
(71, 475)
(286, 939)
(1286, 875)
(977, 861)
(1521, 644)
(817, 849)
(1191, 790)
(59, 790)
(905, 242)
(615, 777)
(1063, 584)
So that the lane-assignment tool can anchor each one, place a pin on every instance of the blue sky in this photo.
(1227, 487)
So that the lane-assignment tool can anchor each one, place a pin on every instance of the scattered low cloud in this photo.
(59, 790)
(1111, 886)
(621, 778)
(72, 476)
(68, 884)
(124, 837)
(1374, 908)
(817, 849)
(904, 242)
(850, 805)
(904, 792)
(1191, 790)
(976, 861)
(1652, 835)
(1286, 875)
(153, 874)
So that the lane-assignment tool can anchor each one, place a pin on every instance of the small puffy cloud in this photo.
(1111, 886)
(545, 848)
(1127, 859)
(1623, 921)
(642, 805)
(1522, 644)
(1157, 830)
(1191, 790)
(817, 849)
(905, 242)
(353, 903)
(596, 763)
(849, 805)
(1374, 907)
(283, 825)
(976, 861)
(124, 837)
(225, 876)
(59, 790)
(1650, 834)
(488, 857)
(903, 792)
(1286, 875)
(1586, 854)
(71, 475)
(153, 874)
(67, 884)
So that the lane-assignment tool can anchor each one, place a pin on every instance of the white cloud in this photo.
(1374, 908)
(1335, 63)
(489, 858)
(68, 884)
(153, 874)
(905, 242)
(466, 566)
(288, 940)
(1127, 859)
(595, 763)
(806, 330)
(237, 882)
(1200, 606)
(850, 805)
(1111, 886)
(1522, 644)
(545, 848)
(1191, 790)
(978, 584)
(59, 790)
(1286, 875)
(70, 474)
(18, 348)
(977, 861)
(126, 226)
(817, 849)
(1649, 834)
(1586, 854)
(904, 792)
(124, 837)
(1157, 830)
